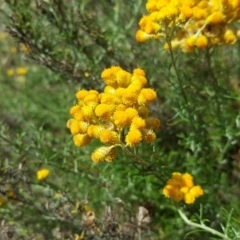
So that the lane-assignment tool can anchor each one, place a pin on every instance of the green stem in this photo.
(180, 80)
(202, 226)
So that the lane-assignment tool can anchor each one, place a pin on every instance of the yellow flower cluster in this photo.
(181, 187)
(119, 116)
(191, 23)
(42, 174)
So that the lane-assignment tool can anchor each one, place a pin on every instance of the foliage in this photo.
(51, 189)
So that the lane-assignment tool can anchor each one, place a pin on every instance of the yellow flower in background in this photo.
(204, 21)
(10, 72)
(86, 74)
(19, 71)
(119, 116)
(181, 187)
(42, 174)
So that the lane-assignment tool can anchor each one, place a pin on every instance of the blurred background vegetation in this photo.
(49, 50)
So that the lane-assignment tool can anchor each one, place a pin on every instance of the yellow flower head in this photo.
(120, 118)
(42, 174)
(81, 94)
(81, 139)
(149, 135)
(118, 113)
(109, 76)
(131, 113)
(21, 70)
(139, 72)
(104, 153)
(123, 78)
(229, 37)
(181, 187)
(134, 137)
(194, 18)
(104, 111)
(201, 42)
(95, 130)
(141, 36)
(138, 122)
(74, 126)
(74, 109)
(109, 137)
(146, 96)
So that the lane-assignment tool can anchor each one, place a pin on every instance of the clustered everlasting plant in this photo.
(199, 121)
(190, 24)
(181, 187)
(117, 117)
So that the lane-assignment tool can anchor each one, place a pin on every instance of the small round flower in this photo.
(91, 97)
(123, 78)
(146, 96)
(152, 123)
(186, 12)
(121, 107)
(168, 191)
(81, 139)
(21, 71)
(139, 72)
(139, 80)
(190, 42)
(119, 94)
(120, 118)
(109, 76)
(83, 126)
(129, 98)
(199, 13)
(151, 6)
(189, 198)
(134, 137)
(111, 155)
(201, 41)
(141, 36)
(95, 130)
(42, 174)
(109, 89)
(74, 126)
(81, 94)
(229, 37)
(178, 195)
(104, 111)
(138, 122)
(88, 113)
(215, 18)
(109, 137)
(108, 98)
(131, 113)
(101, 153)
(177, 176)
(149, 135)
(75, 109)
(197, 191)
(187, 180)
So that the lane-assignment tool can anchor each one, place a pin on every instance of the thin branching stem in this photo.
(180, 83)
(202, 226)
